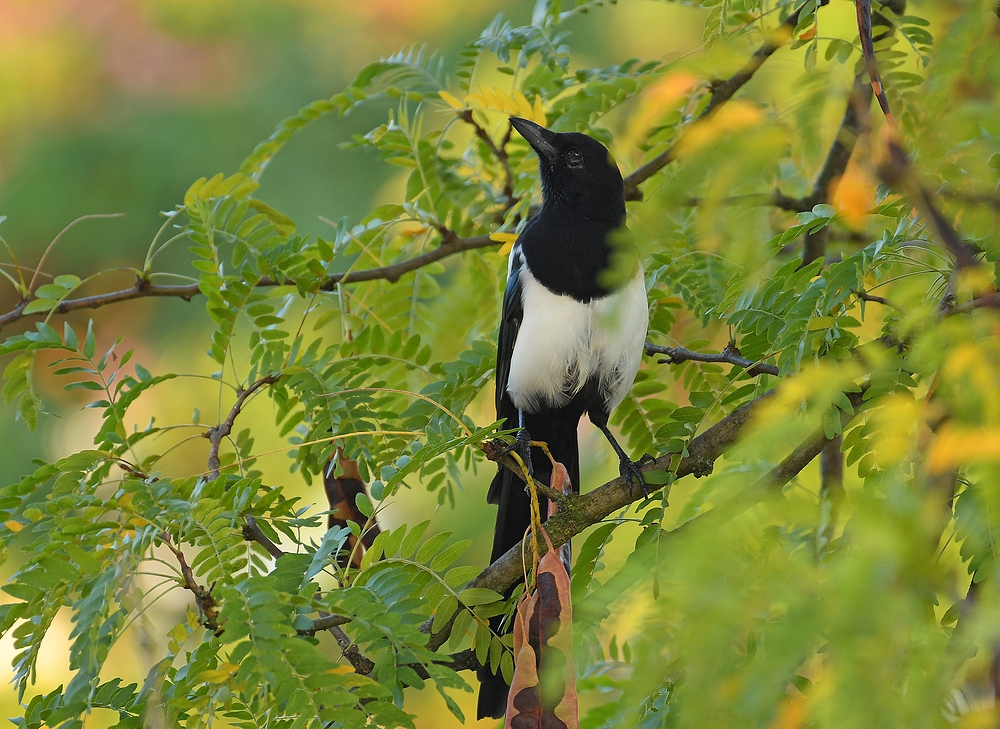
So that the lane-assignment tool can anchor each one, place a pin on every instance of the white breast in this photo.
(562, 343)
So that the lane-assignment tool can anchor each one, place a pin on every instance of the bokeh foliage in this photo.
(759, 596)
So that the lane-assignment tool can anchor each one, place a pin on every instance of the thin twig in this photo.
(898, 172)
(50, 246)
(351, 652)
(865, 296)
(216, 433)
(729, 355)
(207, 605)
(497, 150)
(253, 533)
(775, 199)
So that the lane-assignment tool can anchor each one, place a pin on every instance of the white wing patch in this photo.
(562, 343)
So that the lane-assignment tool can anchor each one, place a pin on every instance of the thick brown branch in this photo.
(644, 559)
(577, 513)
(498, 451)
(217, 433)
(143, 289)
(729, 355)
(722, 91)
(851, 126)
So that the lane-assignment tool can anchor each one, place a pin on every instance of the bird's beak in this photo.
(540, 138)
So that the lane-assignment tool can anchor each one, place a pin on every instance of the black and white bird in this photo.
(572, 331)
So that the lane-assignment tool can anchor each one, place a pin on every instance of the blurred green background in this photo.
(117, 106)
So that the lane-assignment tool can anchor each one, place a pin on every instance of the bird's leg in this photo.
(522, 443)
(630, 470)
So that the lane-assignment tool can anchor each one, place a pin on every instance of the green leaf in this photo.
(473, 596)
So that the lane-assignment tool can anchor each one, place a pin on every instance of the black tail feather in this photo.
(514, 519)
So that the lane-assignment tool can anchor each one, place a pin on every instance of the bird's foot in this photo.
(631, 471)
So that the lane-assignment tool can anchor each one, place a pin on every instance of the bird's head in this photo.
(577, 172)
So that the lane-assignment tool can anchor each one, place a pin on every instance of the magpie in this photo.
(571, 333)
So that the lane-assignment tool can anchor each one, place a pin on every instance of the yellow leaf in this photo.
(791, 714)
(673, 88)
(671, 301)
(192, 193)
(853, 195)
(507, 239)
(14, 526)
(341, 669)
(450, 100)
(507, 103)
(734, 116)
(492, 102)
(955, 446)
(820, 322)
(523, 105)
(218, 675)
(538, 111)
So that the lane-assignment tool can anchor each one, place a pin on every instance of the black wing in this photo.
(510, 323)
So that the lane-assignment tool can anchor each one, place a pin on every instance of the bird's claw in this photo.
(522, 445)
(631, 471)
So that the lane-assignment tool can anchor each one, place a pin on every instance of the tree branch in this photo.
(207, 606)
(143, 289)
(576, 513)
(831, 491)
(729, 355)
(643, 560)
(722, 91)
(865, 296)
(837, 159)
(775, 199)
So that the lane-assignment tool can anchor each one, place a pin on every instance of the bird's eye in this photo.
(573, 158)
